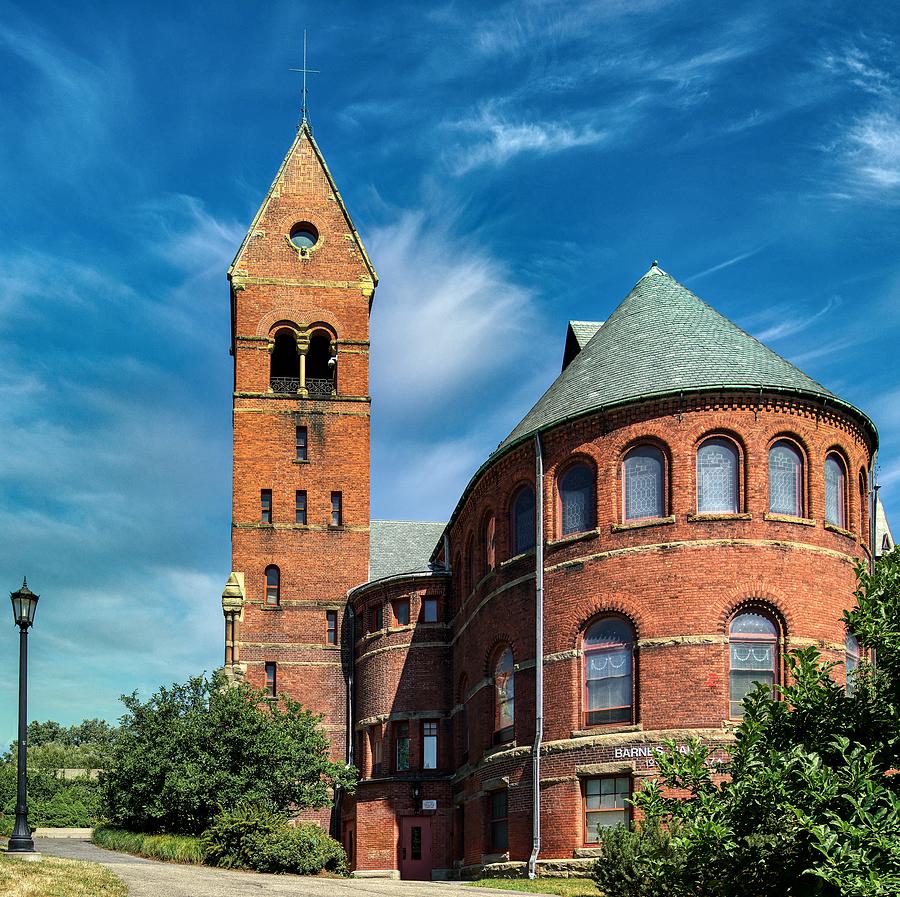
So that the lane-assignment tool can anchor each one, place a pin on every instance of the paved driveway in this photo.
(149, 878)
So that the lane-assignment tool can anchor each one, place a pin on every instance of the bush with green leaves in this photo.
(195, 749)
(811, 805)
(255, 837)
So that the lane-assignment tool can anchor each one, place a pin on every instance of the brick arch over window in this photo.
(750, 592)
(603, 607)
(291, 312)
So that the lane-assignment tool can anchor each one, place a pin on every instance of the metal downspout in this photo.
(538, 655)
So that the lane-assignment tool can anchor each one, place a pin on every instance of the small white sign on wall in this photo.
(429, 804)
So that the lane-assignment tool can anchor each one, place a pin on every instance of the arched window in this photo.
(284, 365)
(753, 649)
(489, 543)
(504, 697)
(835, 492)
(576, 498)
(608, 672)
(458, 578)
(785, 480)
(470, 566)
(851, 662)
(521, 524)
(642, 483)
(717, 477)
(273, 586)
(321, 365)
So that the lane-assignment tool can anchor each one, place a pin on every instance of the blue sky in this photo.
(509, 165)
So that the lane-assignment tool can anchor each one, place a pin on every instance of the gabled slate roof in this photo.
(662, 339)
(401, 546)
(578, 334)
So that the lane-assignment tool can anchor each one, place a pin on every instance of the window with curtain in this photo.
(835, 492)
(642, 486)
(717, 477)
(504, 697)
(785, 480)
(522, 524)
(608, 672)
(576, 498)
(753, 655)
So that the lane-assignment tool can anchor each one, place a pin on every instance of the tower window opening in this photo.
(284, 369)
(300, 507)
(304, 236)
(321, 364)
(271, 679)
(273, 587)
(337, 509)
(302, 446)
(265, 506)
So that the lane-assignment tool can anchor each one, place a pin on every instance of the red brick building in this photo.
(679, 509)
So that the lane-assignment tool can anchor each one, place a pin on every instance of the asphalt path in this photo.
(151, 878)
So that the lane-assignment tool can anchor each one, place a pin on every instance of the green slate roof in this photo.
(578, 335)
(662, 339)
(401, 546)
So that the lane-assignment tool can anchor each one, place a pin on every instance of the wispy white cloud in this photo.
(857, 66)
(496, 140)
(791, 324)
(726, 264)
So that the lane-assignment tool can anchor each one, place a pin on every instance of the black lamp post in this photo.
(24, 604)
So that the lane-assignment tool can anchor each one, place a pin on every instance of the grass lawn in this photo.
(59, 878)
(565, 887)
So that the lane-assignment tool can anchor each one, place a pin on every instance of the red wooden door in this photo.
(415, 848)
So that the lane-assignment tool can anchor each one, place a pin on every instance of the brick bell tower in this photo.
(301, 292)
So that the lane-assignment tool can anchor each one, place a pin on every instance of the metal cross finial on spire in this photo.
(304, 109)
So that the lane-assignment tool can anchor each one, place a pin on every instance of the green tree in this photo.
(200, 747)
(810, 807)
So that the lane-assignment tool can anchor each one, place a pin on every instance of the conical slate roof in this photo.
(662, 340)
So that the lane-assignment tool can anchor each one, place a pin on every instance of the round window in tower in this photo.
(304, 236)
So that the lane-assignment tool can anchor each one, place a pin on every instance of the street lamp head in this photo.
(24, 603)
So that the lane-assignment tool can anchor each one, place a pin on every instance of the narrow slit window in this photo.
(271, 679)
(377, 619)
(504, 698)
(499, 822)
(337, 509)
(429, 610)
(401, 746)
(429, 744)
(522, 523)
(302, 446)
(300, 507)
(835, 492)
(331, 627)
(265, 506)
(273, 587)
(401, 611)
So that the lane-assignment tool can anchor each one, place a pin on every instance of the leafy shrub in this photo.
(811, 804)
(53, 802)
(196, 748)
(172, 848)
(255, 837)
(631, 860)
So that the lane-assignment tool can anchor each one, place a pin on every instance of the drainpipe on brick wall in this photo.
(352, 665)
(538, 655)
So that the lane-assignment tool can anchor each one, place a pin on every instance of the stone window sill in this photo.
(609, 729)
(840, 530)
(300, 461)
(641, 524)
(270, 607)
(715, 518)
(516, 557)
(583, 853)
(575, 537)
(788, 518)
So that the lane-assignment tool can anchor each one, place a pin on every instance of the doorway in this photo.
(415, 848)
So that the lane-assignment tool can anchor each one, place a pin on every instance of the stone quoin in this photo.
(683, 504)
